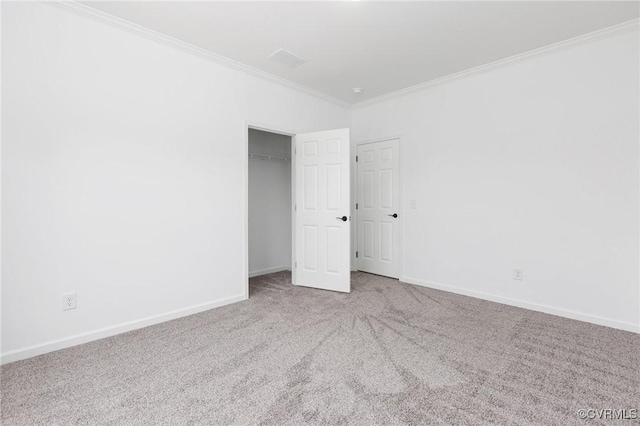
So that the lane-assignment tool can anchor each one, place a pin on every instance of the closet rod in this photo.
(267, 157)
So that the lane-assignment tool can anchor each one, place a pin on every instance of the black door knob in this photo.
(343, 218)
(393, 215)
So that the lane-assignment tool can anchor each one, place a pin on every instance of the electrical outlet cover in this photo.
(69, 301)
(518, 274)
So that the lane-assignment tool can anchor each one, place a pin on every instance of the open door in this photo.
(322, 208)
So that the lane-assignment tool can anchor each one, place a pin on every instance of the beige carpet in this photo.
(388, 353)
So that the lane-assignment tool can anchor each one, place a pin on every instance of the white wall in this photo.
(0, 179)
(534, 165)
(269, 203)
(123, 176)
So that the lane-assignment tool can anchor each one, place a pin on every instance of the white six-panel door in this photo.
(323, 217)
(378, 202)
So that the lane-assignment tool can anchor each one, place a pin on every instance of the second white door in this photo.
(378, 207)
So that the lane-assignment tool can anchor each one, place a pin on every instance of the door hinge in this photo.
(356, 206)
(356, 158)
(356, 254)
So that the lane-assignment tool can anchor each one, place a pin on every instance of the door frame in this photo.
(245, 150)
(400, 198)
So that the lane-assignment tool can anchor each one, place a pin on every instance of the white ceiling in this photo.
(379, 46)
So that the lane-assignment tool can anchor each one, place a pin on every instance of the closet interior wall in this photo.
(269, 202)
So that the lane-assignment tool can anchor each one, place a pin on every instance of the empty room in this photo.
(320, 212)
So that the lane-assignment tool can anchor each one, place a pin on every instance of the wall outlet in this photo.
(518, 274)
(69, 301)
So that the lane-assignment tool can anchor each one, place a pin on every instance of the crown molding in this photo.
(599, 34)
(100, 16)
(88, 12)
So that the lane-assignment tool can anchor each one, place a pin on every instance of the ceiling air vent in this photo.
(287, 58)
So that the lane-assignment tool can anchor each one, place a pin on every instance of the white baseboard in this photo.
(268, 271)
(620, 325)
(79, 339)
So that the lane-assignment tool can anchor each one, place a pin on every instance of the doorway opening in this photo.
(269, 202)
(297, 207)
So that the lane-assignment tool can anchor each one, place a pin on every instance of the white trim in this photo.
(270, 129)
(268, 271)
(593, 319)
(101, 333)
(245, 208)
(634, 24)
(294, 212)
(89, 12)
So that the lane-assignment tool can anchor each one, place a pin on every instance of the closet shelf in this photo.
(268, 157)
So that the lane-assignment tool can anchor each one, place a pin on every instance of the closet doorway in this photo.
(269, 202)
